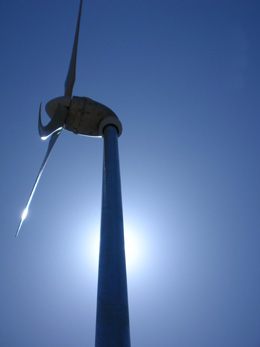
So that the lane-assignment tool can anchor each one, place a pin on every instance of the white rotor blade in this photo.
(56, 123)
(53, 139)
(69, 83)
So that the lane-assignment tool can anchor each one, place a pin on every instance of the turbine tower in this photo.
(85, 116)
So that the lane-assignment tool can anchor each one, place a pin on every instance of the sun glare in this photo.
(134, 248)
(24, 214)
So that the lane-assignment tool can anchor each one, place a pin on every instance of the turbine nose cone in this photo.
(52, 105)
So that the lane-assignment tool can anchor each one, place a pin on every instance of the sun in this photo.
(134, 247)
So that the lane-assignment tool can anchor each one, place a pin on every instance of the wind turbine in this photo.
(85, 116)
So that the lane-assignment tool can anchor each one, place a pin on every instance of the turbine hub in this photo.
(52, 105)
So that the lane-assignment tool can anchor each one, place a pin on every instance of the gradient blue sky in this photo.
(183, 77)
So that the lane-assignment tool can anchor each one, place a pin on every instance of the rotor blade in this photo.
(69, 83)
(56, 123)
(53, 139)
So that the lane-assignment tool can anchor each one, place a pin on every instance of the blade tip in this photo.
(18, 229)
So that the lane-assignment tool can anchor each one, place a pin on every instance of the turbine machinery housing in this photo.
(84, 116)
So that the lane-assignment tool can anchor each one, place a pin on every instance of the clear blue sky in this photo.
(183, 77)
